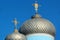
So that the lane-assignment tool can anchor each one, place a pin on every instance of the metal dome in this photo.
(15, 36)
(37, 25)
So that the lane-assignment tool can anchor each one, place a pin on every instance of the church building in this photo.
(35, 28)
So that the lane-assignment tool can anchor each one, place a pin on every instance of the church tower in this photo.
(38, 28)
(15, 35)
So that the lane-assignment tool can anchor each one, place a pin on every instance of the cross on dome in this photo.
(15, 24)
(36, 6)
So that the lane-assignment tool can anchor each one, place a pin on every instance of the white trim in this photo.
(40, 34)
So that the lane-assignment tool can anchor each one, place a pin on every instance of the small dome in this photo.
(15, 36)
(37, 25)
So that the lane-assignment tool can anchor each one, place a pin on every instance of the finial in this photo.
(36, 5)
(15, 25)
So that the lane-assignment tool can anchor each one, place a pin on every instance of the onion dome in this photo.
(37, 24)
(15, 35)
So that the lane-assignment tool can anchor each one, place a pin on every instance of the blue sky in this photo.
(23, 10)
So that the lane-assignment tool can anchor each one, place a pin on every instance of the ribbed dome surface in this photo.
(15, 36)
(37, 25)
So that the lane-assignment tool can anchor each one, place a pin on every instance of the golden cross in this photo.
(15, 23)
(36, 5)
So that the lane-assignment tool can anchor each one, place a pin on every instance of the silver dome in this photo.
(15, 36)
(37, 25)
